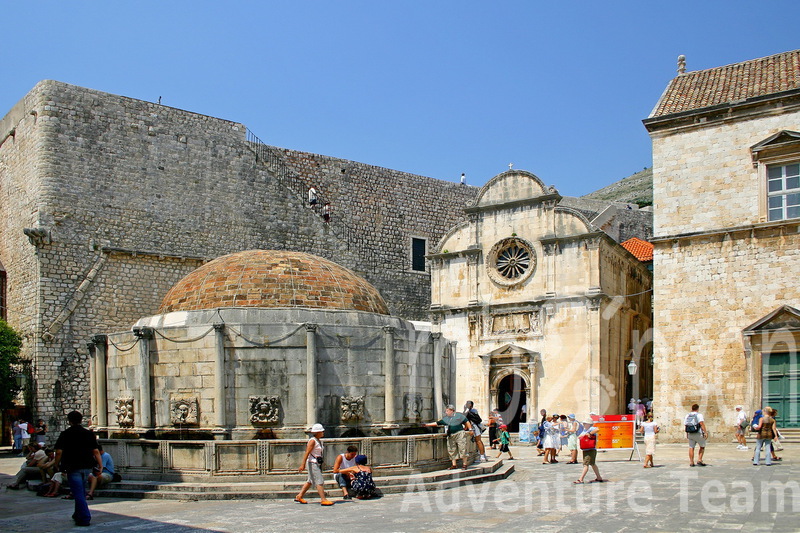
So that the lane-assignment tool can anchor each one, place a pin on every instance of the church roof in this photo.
(270, 278)
(642, 250)
(730, 84)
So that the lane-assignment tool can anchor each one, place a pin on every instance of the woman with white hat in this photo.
(313, 460)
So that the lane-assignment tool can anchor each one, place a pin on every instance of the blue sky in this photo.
(435, 88)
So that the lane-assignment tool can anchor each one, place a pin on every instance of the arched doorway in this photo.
(511, 396)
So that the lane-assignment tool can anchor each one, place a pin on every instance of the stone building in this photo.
(726, 189)
(540, 306)
(108, 201)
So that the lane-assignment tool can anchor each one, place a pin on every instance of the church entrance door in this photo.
(510, 399)
(781, 386)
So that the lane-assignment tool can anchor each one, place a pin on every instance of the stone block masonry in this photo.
(126, 197)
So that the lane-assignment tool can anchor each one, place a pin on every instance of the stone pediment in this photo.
(779, 143)
(784, 318)
(512, 351)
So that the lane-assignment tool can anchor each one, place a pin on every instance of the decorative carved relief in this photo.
(124, 407)
(412, 406)
(264, 410)
(352, 408)
(183, 411)
(515, 323)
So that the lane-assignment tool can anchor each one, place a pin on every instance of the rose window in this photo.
(511, 261)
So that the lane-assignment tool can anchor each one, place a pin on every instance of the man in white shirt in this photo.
(696, 433)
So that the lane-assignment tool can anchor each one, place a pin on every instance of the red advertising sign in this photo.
(616, 432)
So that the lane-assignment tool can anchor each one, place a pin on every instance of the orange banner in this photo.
(617, 435)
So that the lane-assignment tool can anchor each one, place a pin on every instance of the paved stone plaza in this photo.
(728, 494)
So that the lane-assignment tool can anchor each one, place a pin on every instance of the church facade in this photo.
(540, 307)
(726, 189)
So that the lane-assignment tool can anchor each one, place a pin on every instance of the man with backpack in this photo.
(696, 434)
(477, 429)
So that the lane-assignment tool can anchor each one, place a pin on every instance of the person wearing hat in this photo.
(312, 460)
(504, 439)
(740, 425)
(572, 439)
(588, 443)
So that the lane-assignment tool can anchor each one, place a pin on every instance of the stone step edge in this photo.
(500, 474)
(240, 486)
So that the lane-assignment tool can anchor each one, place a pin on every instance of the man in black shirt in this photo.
(76, 450)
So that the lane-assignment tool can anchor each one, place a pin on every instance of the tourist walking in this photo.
(17, 433)
(77, 453)
(312, 196)
(540, 445)
(696, 434)
(588, 443)
(475, 421)
(458, 429)
(312, 460)
(650, 429)
(504, 440)
(740, 426)
(765, 432)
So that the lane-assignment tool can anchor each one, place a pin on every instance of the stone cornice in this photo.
(554, 197)
(738, 232)
(777, 102)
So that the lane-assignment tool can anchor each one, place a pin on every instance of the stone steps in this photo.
(442, 479)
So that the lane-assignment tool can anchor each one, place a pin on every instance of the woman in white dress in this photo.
(650, 429)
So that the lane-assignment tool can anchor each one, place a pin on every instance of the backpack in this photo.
(473, 417)
(692, 425)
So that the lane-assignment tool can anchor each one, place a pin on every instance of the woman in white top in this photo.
(313, 461)
(649, 429)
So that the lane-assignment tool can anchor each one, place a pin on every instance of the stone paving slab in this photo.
(727, 495)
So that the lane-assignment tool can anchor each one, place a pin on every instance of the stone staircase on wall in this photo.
(267, 156)
(286, 486)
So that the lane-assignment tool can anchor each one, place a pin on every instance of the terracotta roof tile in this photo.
(731, 83)
(269, 278)
(642, 250)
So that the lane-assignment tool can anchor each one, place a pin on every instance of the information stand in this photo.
(617, 432)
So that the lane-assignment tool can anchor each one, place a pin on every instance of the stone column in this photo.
(389, 375)
(219, 377)
(311, 374)
(92, 382)
(145, 394)
(437, 375)
(101, 380)
(533, 390)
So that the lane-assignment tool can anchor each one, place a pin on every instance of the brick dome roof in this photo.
(270, 278)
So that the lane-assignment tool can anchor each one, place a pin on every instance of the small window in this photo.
(783, 191)
(418, 254)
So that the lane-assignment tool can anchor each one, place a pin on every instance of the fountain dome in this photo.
(273, 279)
